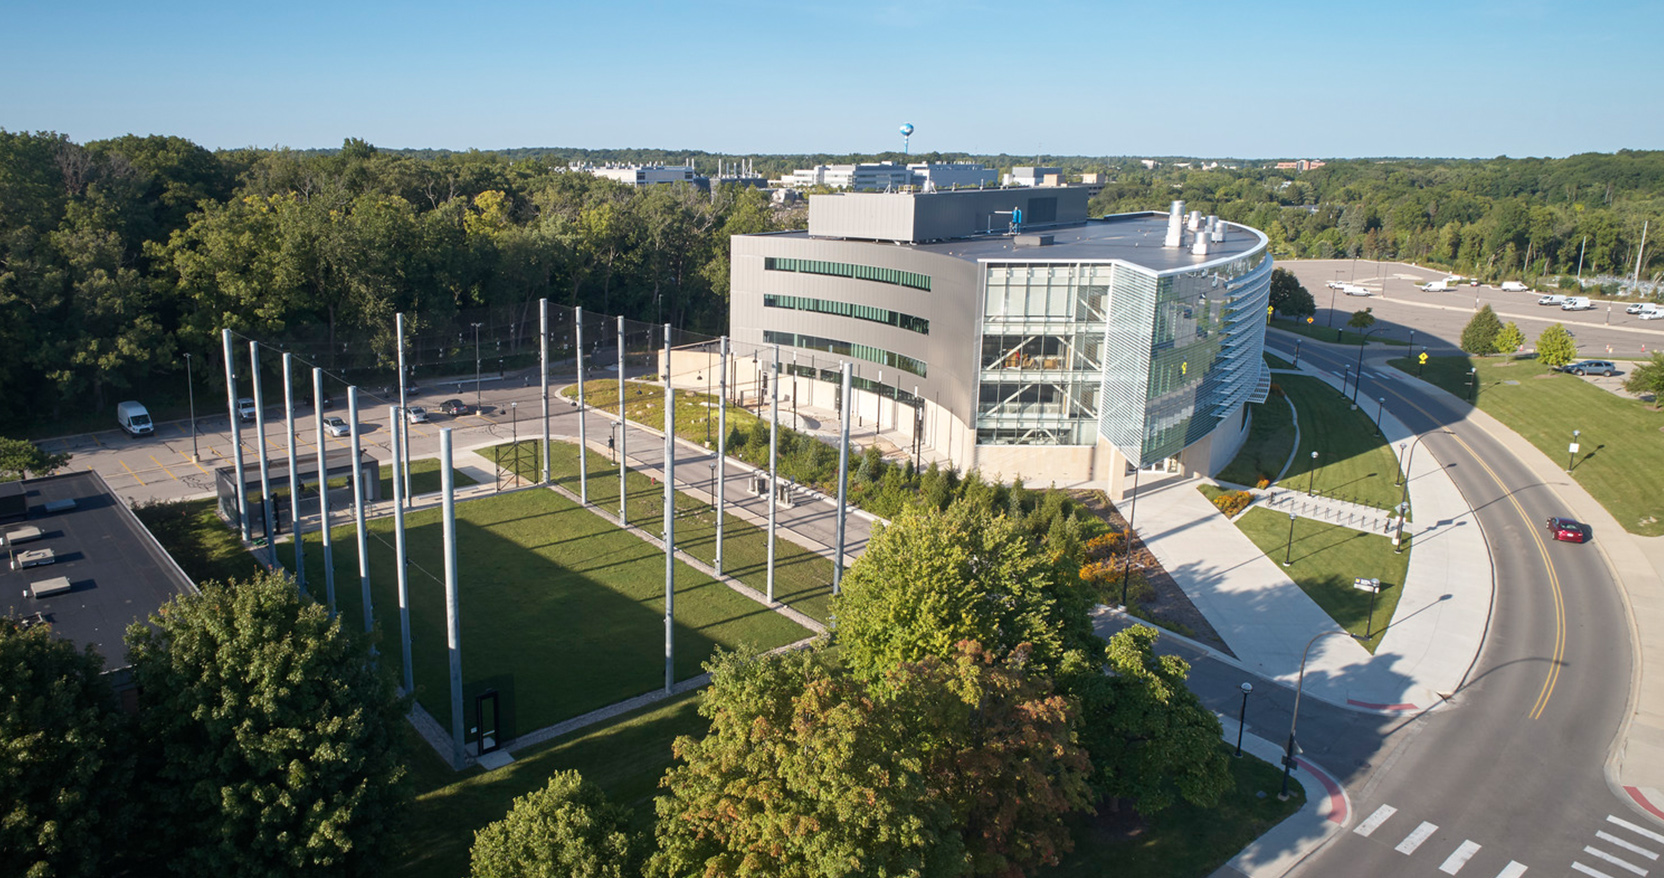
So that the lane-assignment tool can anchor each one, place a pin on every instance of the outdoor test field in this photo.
(562, 612)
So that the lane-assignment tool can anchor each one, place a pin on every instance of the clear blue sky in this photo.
(1251, 80)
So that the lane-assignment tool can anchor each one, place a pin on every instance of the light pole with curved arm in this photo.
(1358, 372)
(1288, 755)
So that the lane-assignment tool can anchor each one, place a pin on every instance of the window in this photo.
(844, 269)
(846, 309)
(846, 349)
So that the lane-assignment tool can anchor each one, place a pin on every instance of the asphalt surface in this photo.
(1513, 763)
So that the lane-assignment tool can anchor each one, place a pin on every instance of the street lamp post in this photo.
(1288, 553)
(477, 366)
(1297, 352)
(1288, 755)
(1242, 717)
(1331, 321)
(1473, 387)
(1132, 515)
(1398, 535)
(1380, 412)
(1345, 378)
(1400, 474)
(190, 391)
(1311, 474)
(514, 407)
(1571, 452)
(1358, 372)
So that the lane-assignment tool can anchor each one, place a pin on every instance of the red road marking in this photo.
(1368, 706)
(1641, 800)
(1337, 798)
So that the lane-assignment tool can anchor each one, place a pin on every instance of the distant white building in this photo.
(951, 175)
(641, 175)
(1036, 176)
(870, 177)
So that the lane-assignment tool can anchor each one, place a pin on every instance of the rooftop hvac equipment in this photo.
(1175, 225)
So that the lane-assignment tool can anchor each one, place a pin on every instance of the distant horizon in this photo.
(1455, 79)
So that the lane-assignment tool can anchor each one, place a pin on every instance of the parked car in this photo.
(1514, 286)
(336, 426)
(1569, 530)
(1355, 290)
(134, 418)
(1590, 367)
(245, 409)
(454, 407)
(1651, 313)
(416, 415)
(1576, 303)
(1553, 299)
(1636, 307)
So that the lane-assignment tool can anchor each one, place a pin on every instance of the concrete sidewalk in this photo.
(1267, 621)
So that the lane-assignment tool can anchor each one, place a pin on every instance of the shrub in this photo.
(1232, 502)
(1264, 482)
(1567, 283)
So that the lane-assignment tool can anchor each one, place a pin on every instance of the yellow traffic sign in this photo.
(1423, 358)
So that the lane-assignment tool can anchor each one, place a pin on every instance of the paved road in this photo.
(1438, 318)
(1515, 764)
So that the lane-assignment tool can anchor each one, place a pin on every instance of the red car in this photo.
(1568, 530)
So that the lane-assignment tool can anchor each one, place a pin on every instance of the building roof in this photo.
(1132, 238)
(116, 570)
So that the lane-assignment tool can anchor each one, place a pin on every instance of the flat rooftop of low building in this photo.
(116, 571)
(1135, 238)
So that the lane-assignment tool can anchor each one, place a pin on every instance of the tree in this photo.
(1479, 336)
(1509, 339)
(565, 829)
(1289, 296)
(1362, 320)
(953, 768)
(20, 458)
(934, 578)
(1556, 347)
(277, 740)
(1150, 737)
(1648, 377)
(65, 767)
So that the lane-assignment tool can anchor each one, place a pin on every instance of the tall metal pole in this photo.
(236, 434)
(477, 366)
(843, 482)
(453, 613)
(401, 432)
(721, 453)
(543, 377)
(294, 475)
(623, 434)
(358, 507)
(773, 467)
(583, 437)
(190, 391)
(324, 535)
(399, 562)
(266, 506)
(669, 522)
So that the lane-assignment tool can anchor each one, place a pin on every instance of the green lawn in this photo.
(562, 612)
(1327, 557)
(1270, 439)
(1353, 463)
(203, 545)
(1276, 362)
(696, 414)
(1184, 841)
(802, 579)
(1337, 334)
(1620, 459)
(626, 757)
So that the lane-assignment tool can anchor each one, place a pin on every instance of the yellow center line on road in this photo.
(164, 467)
(131, 473)
(1559, 653)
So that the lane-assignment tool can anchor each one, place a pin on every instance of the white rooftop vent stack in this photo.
(1175, 226)
(1195, 220)
(1218, 231)
(1200, 246)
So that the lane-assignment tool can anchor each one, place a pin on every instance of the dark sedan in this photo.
(1567, 530)
(454, 407)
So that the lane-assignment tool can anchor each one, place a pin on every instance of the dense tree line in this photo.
(1493, 218)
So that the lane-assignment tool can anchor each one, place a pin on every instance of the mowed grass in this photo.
(1184, 841)
(1318, 332)
(562, 612)
(1620, 459)
(626, 758)
(697, 417)
(1266, 450)
(204, 546)
(1326, 558)
(802, 578)
(1353, 463)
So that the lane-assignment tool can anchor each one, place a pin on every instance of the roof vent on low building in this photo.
(1034, 240)
(1175, 225)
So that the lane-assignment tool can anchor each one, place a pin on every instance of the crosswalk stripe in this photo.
(1588, 871)
(1458, 859)
(1414, 839)
(1622, 864)
(1633, 848)
(1512, 870)
(1375, 820)
(1638, 830)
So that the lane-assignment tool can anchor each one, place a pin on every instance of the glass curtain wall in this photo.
(1042, 353)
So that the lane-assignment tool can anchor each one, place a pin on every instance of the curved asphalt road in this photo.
(1514, 764)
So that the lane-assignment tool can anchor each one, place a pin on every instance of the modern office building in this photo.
(889, 176)
(643, 175)
(1003, 330)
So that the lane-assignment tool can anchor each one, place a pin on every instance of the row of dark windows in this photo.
(847, 309)
(846, 349)
(844, 269)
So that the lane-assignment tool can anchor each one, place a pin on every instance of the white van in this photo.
(133, 418)
(1553, 299)
(1577, 303)
(1514, 286)
(1437, 286)
(1651, 312)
